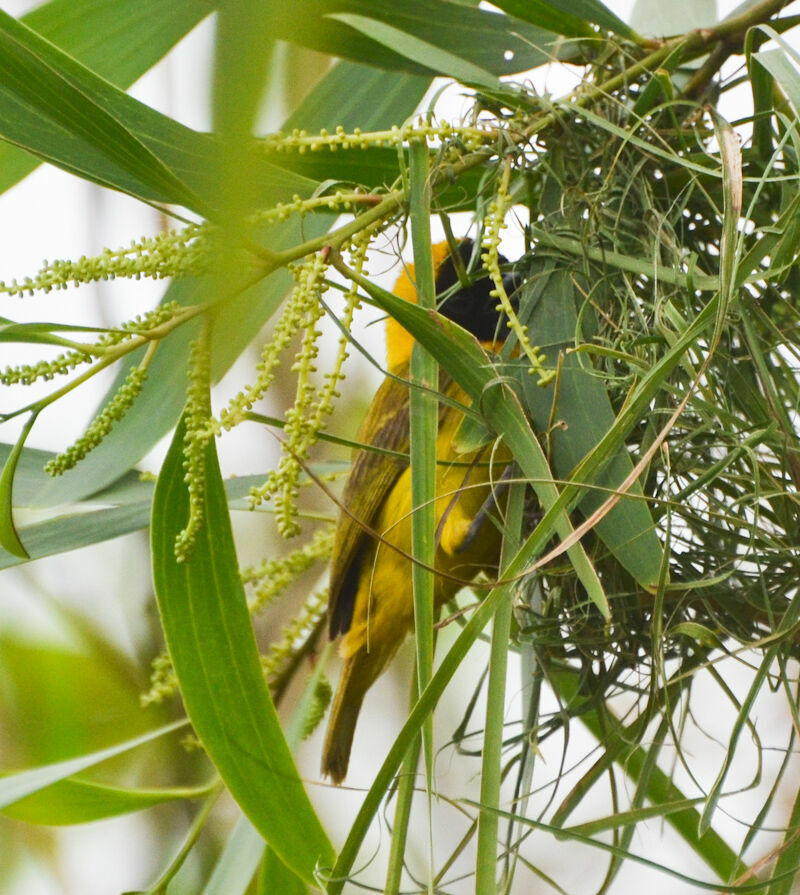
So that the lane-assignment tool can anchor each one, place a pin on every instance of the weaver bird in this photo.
(370, 601)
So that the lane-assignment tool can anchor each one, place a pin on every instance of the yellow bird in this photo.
(370, 601)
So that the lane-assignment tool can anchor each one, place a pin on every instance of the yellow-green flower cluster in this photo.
(307, 424)
(283, 481)
(472, 137)
(65, 363)
(339, 201)
(494, 224)
(145, 323)
(299, 434)
(166, 255)
(302, 306)
(27, 374)
(293, 635)
(102, 424)
(198, 411)
(163, 682)
(275, 575)
(320, 701)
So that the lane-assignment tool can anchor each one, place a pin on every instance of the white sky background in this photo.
(52, 215)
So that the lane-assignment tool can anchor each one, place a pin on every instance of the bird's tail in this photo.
(342, 722)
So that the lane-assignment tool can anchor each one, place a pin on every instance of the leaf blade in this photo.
(210, 638)
(418, 50)
(567, 17)
(15, 787)
(38, 78)
(75, 801)
(118, 39)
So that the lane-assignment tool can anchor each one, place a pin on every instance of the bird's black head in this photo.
(473, 307)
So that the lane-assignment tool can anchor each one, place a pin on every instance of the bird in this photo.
(370, 599)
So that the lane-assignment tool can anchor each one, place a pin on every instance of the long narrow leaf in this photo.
(76, 801)
(787, 866)
(567, 17)
(213, 649)
(15, 787)
(61, 111)
(423, 438)
(92, 523)
(584, 408)
(441, 62)
(238, 862)
(492, 757)
(118, 39)
(37, 77)
(497, 43)
(9, 537)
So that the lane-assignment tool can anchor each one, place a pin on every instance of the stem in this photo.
(391, 204)
(402, 813)
(491, 766)
(702, 77)
(159, 887)
(736, 25)
(647, 268)
(423, 425)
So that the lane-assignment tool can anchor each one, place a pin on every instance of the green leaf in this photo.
(123, 507)
(423, 421)
(30, 475)
(276, 877)
(355, 95)
(214, 654)
(583, 414)
(699, 633)
(64, 113)
(38, 80)
(761, 85)
(71, 531)
(497, 43)
(777, 63)
(567, 17)
(243, 54)
(15, 787)
(41, 333)
(118, 39)
(421, 51)
(76, 801)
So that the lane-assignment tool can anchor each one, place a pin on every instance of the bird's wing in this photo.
(372, 475)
